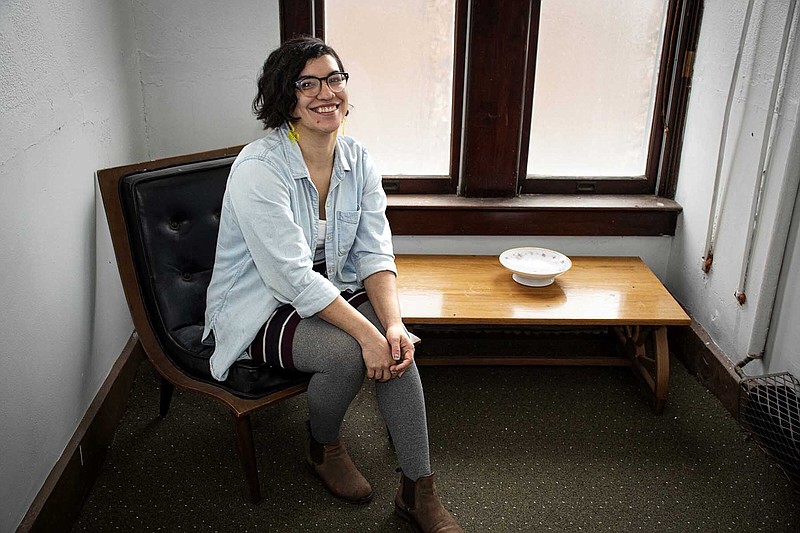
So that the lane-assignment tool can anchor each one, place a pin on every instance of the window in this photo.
(594, 89)
(402, 92)
(522, 118)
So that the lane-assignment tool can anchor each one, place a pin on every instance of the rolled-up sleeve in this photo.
(261, 201)
(372, 248)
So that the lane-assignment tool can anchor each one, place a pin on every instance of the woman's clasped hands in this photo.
(387, 357)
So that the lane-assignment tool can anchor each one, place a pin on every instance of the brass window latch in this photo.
(688, 64)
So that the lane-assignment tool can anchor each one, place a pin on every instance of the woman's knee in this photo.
(344, 359)
(339, 353)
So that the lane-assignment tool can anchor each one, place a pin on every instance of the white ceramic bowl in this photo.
(533, 266)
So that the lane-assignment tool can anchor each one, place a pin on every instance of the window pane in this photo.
(596, 73)
(400, 59)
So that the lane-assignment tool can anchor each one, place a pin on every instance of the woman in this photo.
(304, 276)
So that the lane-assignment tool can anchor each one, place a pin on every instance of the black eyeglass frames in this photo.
(312, 85)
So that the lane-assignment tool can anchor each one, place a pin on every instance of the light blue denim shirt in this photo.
(267, 236)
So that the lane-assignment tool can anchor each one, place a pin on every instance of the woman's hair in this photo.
(276, 97)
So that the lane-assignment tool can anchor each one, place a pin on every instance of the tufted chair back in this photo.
(172, 218)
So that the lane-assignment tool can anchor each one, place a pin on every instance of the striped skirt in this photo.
(273, 342)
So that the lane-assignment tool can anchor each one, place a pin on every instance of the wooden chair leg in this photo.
(247, 454)
(167, 389)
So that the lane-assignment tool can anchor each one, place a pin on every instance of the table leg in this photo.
(649, 355)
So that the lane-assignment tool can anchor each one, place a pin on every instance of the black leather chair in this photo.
(164, 219)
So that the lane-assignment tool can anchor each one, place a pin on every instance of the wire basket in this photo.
(769, 409)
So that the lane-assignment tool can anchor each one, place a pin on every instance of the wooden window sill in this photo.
(533, 214)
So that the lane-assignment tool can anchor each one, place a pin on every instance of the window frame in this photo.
(489, 149)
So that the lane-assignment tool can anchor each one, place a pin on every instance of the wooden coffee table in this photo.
(620, 293)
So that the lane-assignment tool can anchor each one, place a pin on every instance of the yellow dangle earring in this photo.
(344, 119)
(293, 134)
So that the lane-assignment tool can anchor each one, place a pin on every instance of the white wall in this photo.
(85, 86)
(199, 64)
(653, 250)
(70, 104)
(710, 298)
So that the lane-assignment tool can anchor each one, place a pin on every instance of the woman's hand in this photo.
(402, 350)
(389, 357)
(377, 355)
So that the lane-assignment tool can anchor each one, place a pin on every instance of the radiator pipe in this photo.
(716, 213)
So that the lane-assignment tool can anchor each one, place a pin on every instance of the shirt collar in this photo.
(297, 165)
(340, 164)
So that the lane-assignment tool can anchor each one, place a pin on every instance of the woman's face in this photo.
(324, 112)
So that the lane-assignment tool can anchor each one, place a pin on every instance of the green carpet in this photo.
(514, 449)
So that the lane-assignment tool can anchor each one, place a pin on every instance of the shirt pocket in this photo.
(347, 222)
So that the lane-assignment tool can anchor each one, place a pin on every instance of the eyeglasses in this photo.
(312, 85)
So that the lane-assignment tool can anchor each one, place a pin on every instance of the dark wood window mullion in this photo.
(302, 17)
(319, 19)
(497, 39)
(527, 98)
(676, 119)
(459, 51)
(668, 71)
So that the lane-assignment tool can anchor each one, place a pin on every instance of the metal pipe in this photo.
(765, 158)
(715, 213)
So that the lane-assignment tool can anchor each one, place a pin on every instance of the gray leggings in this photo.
(334, 357)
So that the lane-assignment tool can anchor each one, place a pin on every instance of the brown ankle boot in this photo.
(418, 502)
(332, 465)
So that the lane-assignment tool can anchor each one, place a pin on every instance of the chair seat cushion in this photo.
(246, 378)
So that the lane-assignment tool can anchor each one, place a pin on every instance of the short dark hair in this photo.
(276, 97)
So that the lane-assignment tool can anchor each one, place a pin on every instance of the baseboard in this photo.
(58, 503)
(703, 358)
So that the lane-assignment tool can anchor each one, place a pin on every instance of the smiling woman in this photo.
(304, 276)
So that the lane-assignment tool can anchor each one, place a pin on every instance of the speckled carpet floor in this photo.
(514, 449)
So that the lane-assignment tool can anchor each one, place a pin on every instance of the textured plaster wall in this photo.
(70, 103)
(199, 64)
(88, 86)
(710, 297)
